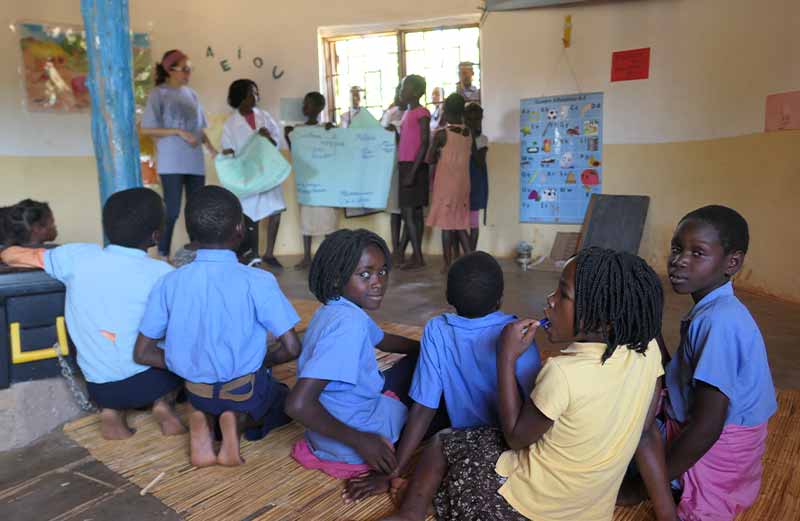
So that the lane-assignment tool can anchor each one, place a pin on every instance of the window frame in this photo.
(328, 45)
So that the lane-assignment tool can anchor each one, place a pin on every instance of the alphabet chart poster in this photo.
(561, 157)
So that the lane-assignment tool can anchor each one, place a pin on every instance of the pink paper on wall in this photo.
(783, 111)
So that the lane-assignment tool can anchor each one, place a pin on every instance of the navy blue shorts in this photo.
(140, 390)
(264, 407)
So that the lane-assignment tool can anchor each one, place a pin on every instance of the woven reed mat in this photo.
(271, 486)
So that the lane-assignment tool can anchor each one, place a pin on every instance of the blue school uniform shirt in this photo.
(458, 358)
(722, 346)
(179, 108)
(107, 290)
(214, 315)
(339, 346)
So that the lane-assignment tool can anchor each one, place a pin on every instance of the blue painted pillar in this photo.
(110, 82)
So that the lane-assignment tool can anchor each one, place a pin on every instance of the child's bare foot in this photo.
(201, 446)
(303, 264)
(113, 425)
(229, 450)
(167, 419)
(362, 487)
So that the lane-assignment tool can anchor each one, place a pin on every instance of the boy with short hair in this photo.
(107, 289)
(458, 362)
(214, 315)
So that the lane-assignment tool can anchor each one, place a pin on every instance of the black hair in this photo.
(475, 285)
(212, 214)
(732, 229)
(454, 106)
(131, 216)
(336, 260)
(619, 295)
(419, 83)
(20, 218)
(3, 212)
(239, 90)
(317, 99)
(161, 73)
(473, 107)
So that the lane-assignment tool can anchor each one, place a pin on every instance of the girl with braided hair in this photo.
(28, 223)
(562, 453)
(339, 396)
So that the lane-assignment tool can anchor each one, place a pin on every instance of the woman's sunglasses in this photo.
(185, 69)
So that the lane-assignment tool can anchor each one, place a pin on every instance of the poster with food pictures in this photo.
(561, 157)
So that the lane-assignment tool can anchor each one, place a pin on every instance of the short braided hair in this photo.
(337, 259)
(618, 294)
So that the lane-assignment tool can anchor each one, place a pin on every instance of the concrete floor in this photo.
(57, 479)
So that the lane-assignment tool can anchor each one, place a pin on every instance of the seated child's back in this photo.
(107, 292)
(458, 356)
(214, 315)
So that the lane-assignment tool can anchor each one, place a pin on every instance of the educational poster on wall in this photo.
(343, 167)
(55, 67)
(561, 157)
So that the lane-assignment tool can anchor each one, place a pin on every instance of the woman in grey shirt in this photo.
(174, 117)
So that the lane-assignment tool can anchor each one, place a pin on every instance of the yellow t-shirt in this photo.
(575, 470)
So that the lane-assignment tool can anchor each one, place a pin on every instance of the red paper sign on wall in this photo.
(630, 65)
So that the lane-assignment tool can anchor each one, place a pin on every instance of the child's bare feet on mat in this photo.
(200, 443)
(167, 419)
(397, 490)
(361, 487)
(113, 425)
(229, 450)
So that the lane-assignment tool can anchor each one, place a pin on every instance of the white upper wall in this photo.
(713, 61)
(712, 64)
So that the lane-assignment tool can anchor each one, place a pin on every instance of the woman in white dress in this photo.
(246, 120)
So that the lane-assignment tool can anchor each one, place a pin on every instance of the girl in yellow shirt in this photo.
(562, 453)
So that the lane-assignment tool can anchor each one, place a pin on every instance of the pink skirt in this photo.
(726, 480)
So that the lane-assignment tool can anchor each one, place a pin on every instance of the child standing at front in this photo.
(351, 425)
(719, 383)
(315, 221)
(449, 158)
(457, 363)
(28, 223)
(561, 454)
(478, 176)
(411, 150)
(214, 315)
(107, 289)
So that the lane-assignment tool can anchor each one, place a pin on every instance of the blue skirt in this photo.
(139, 390)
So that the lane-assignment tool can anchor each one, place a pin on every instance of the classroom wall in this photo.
(690, 135)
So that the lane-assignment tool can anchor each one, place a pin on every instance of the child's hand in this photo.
(227, 152)
(377, 452)
(329, 126)
(364, 486)
(517, 337)
(265, 133)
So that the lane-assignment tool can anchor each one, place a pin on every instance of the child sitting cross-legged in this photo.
(561, 454)
(458, 363)
(214, 315)
(341, 396)
(107, 290)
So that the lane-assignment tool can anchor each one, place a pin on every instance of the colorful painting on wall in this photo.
(55, 67)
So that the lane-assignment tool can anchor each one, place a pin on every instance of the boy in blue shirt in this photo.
(107, 289)
(458, 362)
(214, 315)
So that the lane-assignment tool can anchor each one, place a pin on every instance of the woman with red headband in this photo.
(175, 117)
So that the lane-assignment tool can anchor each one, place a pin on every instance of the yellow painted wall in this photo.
(758, 175)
